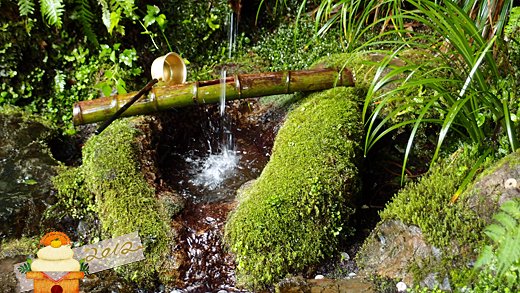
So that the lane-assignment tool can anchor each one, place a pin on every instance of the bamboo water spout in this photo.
(167, 96)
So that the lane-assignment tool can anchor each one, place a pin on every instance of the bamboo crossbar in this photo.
(168, 96)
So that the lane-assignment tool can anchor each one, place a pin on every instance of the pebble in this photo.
(351, 275)
(345, 256)
(319, 277)
(401, 287)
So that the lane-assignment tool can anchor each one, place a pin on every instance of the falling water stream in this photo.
(221, 163)
(210, 186)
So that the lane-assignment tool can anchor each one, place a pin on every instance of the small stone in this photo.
(319, 277)
(510, 183)
(401, 287)
(221, 291)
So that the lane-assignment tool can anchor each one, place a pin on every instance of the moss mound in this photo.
(111, 184)
(452, 229)
(293, 214)
(426, 203)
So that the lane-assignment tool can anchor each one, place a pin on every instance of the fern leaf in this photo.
(508, 252)
(52, 11)
(495, 232)
(86, 18)
(486, 257)
(506, 220)
(512, 207)
(505, 234)
(105, 13)
(26, 7)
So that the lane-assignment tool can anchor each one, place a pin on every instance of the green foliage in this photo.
(197, 31)
(86, 17)
(26, 7)
(110, 184)
(287, 49)
(25, 267)
(505, 236)
(84, 267)
(74, 199)
(66, 74)
(16, 247)
(52, 11)
(295, 212)
(462, 78)
(485, 279)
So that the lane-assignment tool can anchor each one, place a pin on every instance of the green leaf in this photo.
(161, 21)
(52, 11)
(120, 86)
(26, 7)
(86, 17)
(115, 17)
(105, 88)
(148, 20)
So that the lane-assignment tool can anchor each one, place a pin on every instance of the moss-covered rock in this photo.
(449, 234)
(110, 183)
(292, 215)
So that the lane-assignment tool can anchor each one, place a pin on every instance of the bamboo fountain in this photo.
(168, 95)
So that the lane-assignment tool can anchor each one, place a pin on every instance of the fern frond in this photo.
(26, 7)
(52, 11)
(505, 234)
(85, 17)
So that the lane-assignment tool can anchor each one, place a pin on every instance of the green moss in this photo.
(426, 203)
(292, 215)
(74, 199)
(123, 200)
(21, 246)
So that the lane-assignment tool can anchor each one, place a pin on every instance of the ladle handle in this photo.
(134, 99)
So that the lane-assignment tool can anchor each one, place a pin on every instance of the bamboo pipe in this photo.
(167, 96)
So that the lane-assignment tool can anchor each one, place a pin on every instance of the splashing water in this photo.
(216, 168)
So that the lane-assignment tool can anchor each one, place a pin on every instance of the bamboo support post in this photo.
(167, 96)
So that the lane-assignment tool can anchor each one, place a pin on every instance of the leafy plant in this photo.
(84, 267)
(52, 11)
(504, 252)
(25, 267)
(461, 79)
(152, 16)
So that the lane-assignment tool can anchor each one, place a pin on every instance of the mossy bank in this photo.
(111, 184)
(292, 216)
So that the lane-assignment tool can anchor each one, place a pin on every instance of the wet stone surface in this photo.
(26, 167)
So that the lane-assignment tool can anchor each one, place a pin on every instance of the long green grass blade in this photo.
(510, 128)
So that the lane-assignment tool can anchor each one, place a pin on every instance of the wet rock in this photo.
(26, 167)
(7, 275)
(494, 186)
(171, 202)
(392, 247)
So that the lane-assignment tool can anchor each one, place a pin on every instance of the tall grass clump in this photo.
(461, 81)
